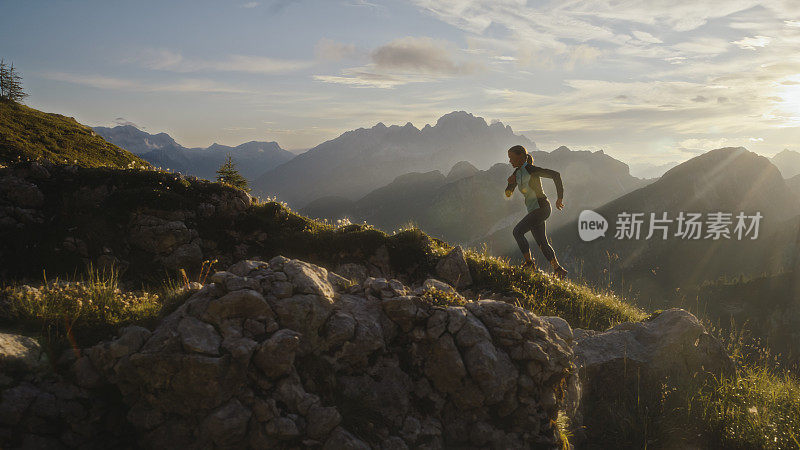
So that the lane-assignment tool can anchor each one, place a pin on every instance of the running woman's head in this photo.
(517, 155)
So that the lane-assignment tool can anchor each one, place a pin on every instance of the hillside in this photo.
(31, 134)
(151, 224)
(341, 347)
(788, 162)
(360, 161)
(251, 158)
(729, 180)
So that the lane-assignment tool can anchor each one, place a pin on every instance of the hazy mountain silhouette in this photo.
(362, 160)
(649, 170)
(794, 184)
(788, 162)
(729, 180)
(251, 158)
(468, 204)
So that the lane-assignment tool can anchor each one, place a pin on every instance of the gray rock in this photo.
(199, 337)
(433, 283)
(321, 421)
(22, 353)
(308, 279)
(357, 273)
(243, 268)
(245, 303)
(275, 356)
(453, 268)
(227, 425)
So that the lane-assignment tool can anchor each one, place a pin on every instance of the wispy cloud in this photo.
(124, 84)
(331, 50)
(750, 43)
(250, 5)
(401, 61)
(420, 54)
(168, 60)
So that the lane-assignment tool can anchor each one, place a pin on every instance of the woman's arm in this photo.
(512, 183)
(555, 176)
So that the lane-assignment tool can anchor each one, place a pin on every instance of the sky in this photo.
(647, 81)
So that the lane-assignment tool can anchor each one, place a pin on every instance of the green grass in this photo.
(758, 408)
(81, 313)
(29, 134)
(414, 252)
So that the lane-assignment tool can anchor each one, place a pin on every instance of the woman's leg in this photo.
(527, 223)
(539, 231)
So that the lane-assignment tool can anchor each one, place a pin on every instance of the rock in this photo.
(187, 256)
(321, 420)
(631, 360)
(356, 273)
(305, 314)
(561, 327)
(308, 279)
(275, 356)
(339, 329)
(433, 283)
(197, 336)
(243, 268)
(453, 268)
(245, 303)
(85, 374)
(158, 236)
(228, 424)
(330, 369)
(342, 439)
(20, 353)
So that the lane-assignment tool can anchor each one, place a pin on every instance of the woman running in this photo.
(526, 177)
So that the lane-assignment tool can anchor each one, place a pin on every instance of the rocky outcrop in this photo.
(286, 353)
(632, 360)
(453, 268)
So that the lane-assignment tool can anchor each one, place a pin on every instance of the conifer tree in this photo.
(228, 174)
(14, 79)
(4, 81)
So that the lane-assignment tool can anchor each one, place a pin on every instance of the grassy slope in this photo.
(717, 415)
(31, 134)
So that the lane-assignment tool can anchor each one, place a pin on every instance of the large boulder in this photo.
(248, 361)
(633, 361)
(453, 268)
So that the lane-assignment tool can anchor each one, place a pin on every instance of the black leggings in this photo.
(534, 222)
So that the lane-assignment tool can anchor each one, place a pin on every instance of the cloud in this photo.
(121, 121)
(336, 51)
(232, 129)
(167, 60)
(646, 37)
(694, 145)
(750, 43)
(123, 84)
(401, 61)
(277, 6)
(250, 5)
(368, 77)
(419, 54)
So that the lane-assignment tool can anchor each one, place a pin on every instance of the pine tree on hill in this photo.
(10, 83)
(228, 174)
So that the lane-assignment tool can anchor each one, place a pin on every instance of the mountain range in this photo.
(468, 205)
(252, 158)
(362, 160)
